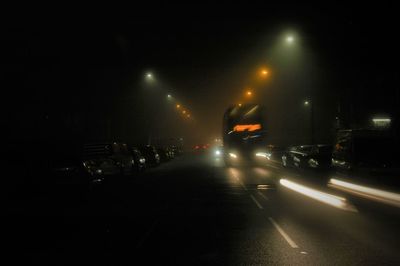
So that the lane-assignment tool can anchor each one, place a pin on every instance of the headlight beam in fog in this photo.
(367, 192)
(326, 198)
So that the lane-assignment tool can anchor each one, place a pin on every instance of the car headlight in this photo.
(218, 152)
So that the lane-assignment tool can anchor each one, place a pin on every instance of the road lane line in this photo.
(262, 195)
(243, 186)
(256, 202)
(283, 233)
(147, 234)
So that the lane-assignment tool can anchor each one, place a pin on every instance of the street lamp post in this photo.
(310, 104)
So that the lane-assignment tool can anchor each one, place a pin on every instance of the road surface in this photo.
(196, 211)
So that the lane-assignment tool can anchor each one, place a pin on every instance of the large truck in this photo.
(244, 132)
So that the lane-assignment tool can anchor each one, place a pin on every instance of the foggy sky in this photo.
(94, 67)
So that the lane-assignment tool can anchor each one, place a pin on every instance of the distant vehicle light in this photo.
(217, 152)
(232, 155)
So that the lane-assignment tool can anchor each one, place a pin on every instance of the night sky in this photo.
(82, 73)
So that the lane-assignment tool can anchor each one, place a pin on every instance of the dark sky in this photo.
(94, 61)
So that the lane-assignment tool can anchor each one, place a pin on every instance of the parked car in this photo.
(111, 156)
(363, 149)
(68, 168)
(320, 157)
(274, 152)
(150, 154)
(170, 152)
(50, 166)
(295, 156)
(164, 154)
(139, 160)
(177, 150)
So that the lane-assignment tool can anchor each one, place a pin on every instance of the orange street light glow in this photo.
(240, 128)
(183, 112)
(264, 72)
(178, 106)
(249, 93)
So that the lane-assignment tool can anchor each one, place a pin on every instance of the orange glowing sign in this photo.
(253, 127)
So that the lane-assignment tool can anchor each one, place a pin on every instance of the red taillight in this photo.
(197, 147)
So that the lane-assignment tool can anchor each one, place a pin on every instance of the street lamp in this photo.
(178, 106)
(306, 103)
(249, 93)
(289, 39)
(264, 73)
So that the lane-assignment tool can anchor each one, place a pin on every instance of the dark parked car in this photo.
(139, 160)
(164, 154)
(151, 155)
(367, 153)
(50, 166)
(295, 156)
(308, 156)
(320, 157)
(274, 152)
(177, 150)
(110, 157)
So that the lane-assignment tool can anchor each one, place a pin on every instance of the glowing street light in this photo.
(264, 73)
(178, 106)
(184, 112)
(306, 103)
(249, 93)
(169, 96)
(240, 105)
(289, 39)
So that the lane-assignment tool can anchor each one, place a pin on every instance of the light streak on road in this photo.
(323, 197)
(367, 192)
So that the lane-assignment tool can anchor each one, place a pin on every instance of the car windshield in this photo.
(200, 133)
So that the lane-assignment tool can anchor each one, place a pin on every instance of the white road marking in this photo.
(147, 234)
(243, 186)
(283, 233)
(262, 195)
(256, 202)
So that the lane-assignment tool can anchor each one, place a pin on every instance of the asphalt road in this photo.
(196, 211)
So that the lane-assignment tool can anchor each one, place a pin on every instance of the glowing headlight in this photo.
(217, 152)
